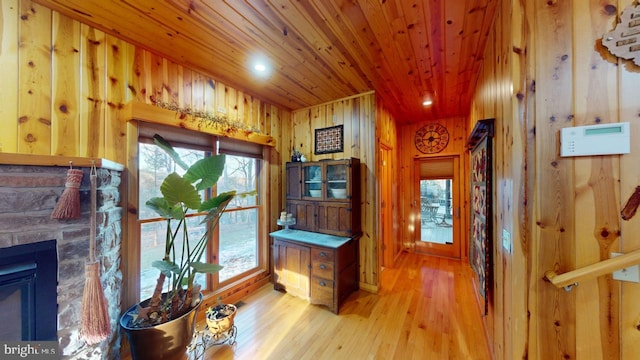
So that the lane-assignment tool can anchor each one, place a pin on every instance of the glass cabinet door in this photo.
(312, 185)
(337, 181)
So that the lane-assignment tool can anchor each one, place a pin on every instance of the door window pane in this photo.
(435, 211)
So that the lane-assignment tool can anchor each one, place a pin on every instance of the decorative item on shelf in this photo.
(296, 155)
(339, 193)
(162, 327)
(207, 118)
(286, 220)
(315, 193)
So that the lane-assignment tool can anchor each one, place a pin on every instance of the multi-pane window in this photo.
(235, 245)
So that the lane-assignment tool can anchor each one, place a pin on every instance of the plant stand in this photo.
(205, 339)
(218, 331)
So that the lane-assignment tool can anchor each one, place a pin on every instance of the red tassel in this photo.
(68, 206)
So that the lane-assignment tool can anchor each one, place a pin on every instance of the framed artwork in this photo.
(329, 140)
(480, 240)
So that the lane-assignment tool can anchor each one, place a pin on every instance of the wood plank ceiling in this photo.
(322, 50)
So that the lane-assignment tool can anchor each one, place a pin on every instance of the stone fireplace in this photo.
(28, 195)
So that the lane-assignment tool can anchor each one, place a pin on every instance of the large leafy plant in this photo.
(181, 261)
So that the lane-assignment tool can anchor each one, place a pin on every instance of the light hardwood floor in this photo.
(426, 309)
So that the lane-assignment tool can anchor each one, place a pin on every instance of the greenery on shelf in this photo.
(209, 119)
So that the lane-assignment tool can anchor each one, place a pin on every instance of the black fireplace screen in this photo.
(28, 296)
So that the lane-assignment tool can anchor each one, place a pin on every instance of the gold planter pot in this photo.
(166, 341)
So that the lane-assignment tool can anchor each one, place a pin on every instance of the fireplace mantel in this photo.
(53, 160)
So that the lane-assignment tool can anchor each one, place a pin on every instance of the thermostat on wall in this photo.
(601, 139)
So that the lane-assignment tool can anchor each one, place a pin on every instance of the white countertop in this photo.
(312, 238)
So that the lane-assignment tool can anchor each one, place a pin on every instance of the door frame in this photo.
(428, 248)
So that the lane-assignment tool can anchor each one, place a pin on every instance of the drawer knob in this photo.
(323, 266)
(322, 283)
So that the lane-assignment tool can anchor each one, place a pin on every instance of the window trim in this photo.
(130, 264)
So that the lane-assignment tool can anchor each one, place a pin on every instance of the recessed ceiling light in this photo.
(427, 103)
(260, 66)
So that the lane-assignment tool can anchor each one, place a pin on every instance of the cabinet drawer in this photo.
(322, 255)
(322, 269)
(322, 291)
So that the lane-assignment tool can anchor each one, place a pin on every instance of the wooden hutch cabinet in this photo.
(324, 196)
(318, 260)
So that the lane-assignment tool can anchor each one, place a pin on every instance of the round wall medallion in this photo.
(432, 138)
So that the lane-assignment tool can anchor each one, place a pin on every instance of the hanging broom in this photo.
(68, 206)
(96, 325)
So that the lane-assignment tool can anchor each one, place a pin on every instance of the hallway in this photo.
(426, 309)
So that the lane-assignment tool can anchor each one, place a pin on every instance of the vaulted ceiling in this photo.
(319, 50)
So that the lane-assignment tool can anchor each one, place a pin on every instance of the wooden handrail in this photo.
(593, 270)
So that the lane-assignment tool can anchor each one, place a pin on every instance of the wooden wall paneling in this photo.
(92, 92)
(257, 115)
(9, 64)
(232, 105)
(197, 91)
(138, 78)
(155, 73)
(65, 120)
(214, 96)
(522, 184)
(554, 237)
(34, 88)
(305, 138)
(360, 111)
(186, 87)
(628, 90)
(243, 108)
(276, 122)
(503, 186)
(596, 183)
(368, 152)
(342, 113)
(131, 94)
(115, 131)
(171, 89)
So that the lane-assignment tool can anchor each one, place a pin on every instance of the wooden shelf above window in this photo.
(53, 160)
(158, 115)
